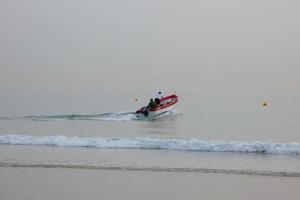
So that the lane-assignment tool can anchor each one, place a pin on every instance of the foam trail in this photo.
(155, 143)
(112, 116)
(146, 168)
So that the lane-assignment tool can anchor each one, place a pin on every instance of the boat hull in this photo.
(154, 114)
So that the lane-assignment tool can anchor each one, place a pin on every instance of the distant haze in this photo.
(114, 45)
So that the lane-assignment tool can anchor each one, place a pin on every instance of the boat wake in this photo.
(112, 116)
(154, 144)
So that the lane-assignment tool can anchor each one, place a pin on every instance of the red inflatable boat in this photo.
(166, 104)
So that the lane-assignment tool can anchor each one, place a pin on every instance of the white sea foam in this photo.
(155, 143)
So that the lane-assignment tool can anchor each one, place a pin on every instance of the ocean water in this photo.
(198, 136)
(73, 73)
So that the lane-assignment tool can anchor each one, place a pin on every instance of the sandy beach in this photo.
(50, 184)
(78, 173)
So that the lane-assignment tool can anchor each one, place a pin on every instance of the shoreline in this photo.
(61, 183)
(91, 166)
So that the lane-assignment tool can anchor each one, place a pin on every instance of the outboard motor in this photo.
(145, 111)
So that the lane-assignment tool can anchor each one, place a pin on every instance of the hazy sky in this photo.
(218, 45)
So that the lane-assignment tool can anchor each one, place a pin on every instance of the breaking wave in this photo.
(154, 143)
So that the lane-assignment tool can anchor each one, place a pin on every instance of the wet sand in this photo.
(49, 180)
(77, 184)
(150, 160)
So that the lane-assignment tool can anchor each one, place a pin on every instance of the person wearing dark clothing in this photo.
(152, 104)
(157, 101)
(158, 97)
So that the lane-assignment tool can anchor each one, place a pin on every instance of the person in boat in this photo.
(158, 97)
(152, 104)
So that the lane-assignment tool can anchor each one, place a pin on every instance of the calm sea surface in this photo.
(70, 73)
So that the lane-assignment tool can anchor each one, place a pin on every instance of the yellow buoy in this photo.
(264, 103)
